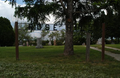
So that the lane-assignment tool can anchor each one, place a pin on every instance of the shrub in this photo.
(45, 42)
(59, 42)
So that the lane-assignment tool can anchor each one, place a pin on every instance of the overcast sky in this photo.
(7, 11)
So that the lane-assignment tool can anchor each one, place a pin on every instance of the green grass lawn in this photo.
(49, 62)
(113, 45)
(109, 45)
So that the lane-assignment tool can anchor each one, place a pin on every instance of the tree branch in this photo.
(61, 1)
(89, 11)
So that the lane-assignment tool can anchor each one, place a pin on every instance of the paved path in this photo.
(112, 48)
(116, 56)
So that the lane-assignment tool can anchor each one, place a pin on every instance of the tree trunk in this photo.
(112, 40)
(87, 46)
(118, 40)
(68, 50)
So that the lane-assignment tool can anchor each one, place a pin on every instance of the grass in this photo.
(108, 49)
(113, 45)
(113, 51)
(49, 62)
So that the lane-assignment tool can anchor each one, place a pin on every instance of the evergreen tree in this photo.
(7, 36)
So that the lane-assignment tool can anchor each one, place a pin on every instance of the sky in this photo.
(7, 11)
(20, 2)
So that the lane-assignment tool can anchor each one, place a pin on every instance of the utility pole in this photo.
(16, 40)
(87, 46)
(103, 41)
